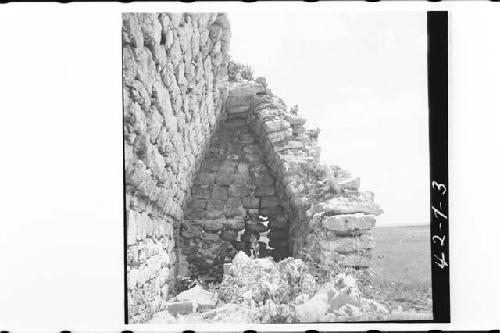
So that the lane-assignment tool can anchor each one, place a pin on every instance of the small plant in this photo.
(239, 70)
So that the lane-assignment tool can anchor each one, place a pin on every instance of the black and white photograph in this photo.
(276, 172)
(265, 166)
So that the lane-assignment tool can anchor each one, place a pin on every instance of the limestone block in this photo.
(219, 192)
(215, 204)
(275, 125)
(198, 203)
(235, 211)
(236, 190)
(132, 278)
(180, 308)
(267, 113)
(175, 19)
(264, 191)
(348, 223)
(224, 177)
(229, 235)
(235, 223)
(205, 178)
(233, 203)
(271, 211)
(349, 205)
(132, 30)
(212, 226)
(269, 202)
(240, 94)
(201, 298)
(214, 214)
(263, 178)
(346, 245)
(251, 202)
(280, 135)
(132, 227)
(292, 144)
(210, 237)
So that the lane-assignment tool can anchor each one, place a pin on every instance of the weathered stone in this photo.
(236, 223)
(233, 203)
(201, 299)
(180, 308)
(280, 135)
(200, 192)
(351, 205)
(239, 191)
(212, 226)
(275, 125)
(294, 145)
(214, 214)
(177, 103)
(240, 179)
(269, 202)
(264, 179)
(345, 245)
(209, 237)
(219, 192)
(199, 203)
(271, 211)
(347, 223)
(205, 178)
(162, 317)
(215, 204)
(229, 235)
(264, 191)
(224, 177)
(250, 202)
(340, 185)
(240, 95)
(236, 211)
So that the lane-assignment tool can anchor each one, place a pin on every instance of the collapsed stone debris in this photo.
(260, 290)
(215, 164)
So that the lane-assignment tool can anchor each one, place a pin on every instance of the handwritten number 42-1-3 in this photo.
(440, 261)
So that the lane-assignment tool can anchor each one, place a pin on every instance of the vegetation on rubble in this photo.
(245, 71)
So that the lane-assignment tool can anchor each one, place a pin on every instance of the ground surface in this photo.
(402, 267)
(401, 281)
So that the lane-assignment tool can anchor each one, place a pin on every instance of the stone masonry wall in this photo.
(330, 219)
(233, 198)
(174, 92)
(215, 164)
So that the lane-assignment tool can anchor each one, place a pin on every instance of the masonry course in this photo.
(215, 165)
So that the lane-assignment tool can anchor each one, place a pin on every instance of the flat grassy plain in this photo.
(402, 268)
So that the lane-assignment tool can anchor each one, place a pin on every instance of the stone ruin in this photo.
(215, 165)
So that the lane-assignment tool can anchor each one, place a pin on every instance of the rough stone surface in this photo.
(214, 167)
(238, 187)
(174, 92)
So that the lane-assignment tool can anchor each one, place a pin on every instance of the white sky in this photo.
(361, 78)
